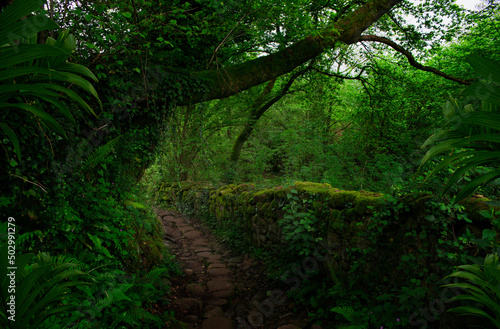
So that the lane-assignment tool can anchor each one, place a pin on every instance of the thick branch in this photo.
(232, 80)
(411, 59)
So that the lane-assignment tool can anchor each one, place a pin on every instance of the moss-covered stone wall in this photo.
(385, 241)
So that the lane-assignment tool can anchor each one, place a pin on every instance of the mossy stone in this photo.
(335, 221)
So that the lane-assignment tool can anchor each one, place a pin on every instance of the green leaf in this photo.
(474, 184)
(46, 118)
(485, 67)
(134, 204)
(489, 235)
(13, 138)
(78, 69)
(27, 53)
(469, 310)
(25, 28)
(17, 10)
(483, 91)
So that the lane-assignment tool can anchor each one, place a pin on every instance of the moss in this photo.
(335, 220)
(312, 188)
(250, 210)
(244, 198)
(364, 202)
(265, 209)
(244, 187)
(274, 205)
(227, 189)
(225, 192)
(341, 199)
(263, 195)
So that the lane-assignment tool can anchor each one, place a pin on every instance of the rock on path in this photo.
(221, 289)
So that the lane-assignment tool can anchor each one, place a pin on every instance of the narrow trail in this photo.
(220, 289)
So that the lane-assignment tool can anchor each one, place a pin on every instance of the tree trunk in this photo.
(255, 115)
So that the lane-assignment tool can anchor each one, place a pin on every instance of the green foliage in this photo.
(99, 154)
(75, 196)
(481, 287)
(34, 75)
(229, 228)
(117, 299)
(391, 303)
(474, 140)
(350, 315)
(300, 227)
(100, 234)
(42, 289)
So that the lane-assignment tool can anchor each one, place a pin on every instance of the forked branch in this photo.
(411, 59)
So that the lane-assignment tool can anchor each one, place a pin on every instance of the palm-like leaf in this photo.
(475, 137)
(36, 74)
(482, 286)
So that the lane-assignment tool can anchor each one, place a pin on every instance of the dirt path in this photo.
(221, 289)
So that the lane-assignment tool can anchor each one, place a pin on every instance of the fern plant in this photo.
(475, 138)
(350, 315)
(118, 299)
(43, 290)
(99, 155)
(482, 286)
(37, 74)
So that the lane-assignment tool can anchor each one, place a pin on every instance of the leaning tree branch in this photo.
(411, 59)
(258, 110)
(231, 80)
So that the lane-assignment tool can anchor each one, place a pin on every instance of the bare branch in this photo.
(335, 75)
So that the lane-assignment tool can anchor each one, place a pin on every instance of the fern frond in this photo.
(98, 245)
(61, 259)
(139, 313)
(28, 236)
(350, 315)
(346, 311)
(155, 273)
(133, 204)
(99, 154)
(104, 302)
(334, 276)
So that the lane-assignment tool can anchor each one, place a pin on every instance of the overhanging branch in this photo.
(231, 80)
(413, 62)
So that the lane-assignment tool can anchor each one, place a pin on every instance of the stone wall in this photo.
(347, 217)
